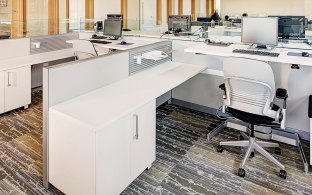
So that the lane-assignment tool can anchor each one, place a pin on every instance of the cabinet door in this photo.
(143, 146)
(113, 157)
(17, 88)
(2, 92)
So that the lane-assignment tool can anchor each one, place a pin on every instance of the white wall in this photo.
(187, 7)
(134, 14)
(37, 17)
(76, 12)
(104, 7)
(62, 16)
(268, 7)
(164, 12)
(308, 10)
(148, 14)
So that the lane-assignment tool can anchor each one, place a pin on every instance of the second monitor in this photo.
(261, 31)
(179, 23)
(113, 28)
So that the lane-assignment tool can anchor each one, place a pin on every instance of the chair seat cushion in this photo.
(251, 118)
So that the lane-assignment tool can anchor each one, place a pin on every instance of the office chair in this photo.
(249, 91)
(83, 49)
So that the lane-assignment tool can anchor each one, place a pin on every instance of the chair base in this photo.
(254, 145)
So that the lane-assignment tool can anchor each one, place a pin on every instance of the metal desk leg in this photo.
(216, 130)
(303, 157)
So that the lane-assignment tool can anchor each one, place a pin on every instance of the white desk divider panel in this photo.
(47, 43)
(70, 80)
(14, 48)
(134, 67)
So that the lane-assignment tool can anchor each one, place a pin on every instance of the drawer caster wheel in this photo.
(278, 151)
(283, 174)
(241, 172)
(220, 149)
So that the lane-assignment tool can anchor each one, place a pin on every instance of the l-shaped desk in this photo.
(290, 62)
(112, 129)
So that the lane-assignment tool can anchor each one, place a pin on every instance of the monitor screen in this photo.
(291, 27)
(113, 28)
(115, 16)
(260, 30)
(180, 23)
(203, 19)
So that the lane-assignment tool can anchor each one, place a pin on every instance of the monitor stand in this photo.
(112, 38)
(261, 47)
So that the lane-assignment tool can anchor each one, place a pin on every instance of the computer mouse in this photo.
(123, 43)
(305, 54)
(207, 41)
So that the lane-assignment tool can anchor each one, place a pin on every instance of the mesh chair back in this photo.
(84, 49)
(250, 86)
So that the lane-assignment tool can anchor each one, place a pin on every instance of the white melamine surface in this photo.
(83, 76)
(202, 48)
(118, 99)
(2, 81)
(35, 59)
(14, 48)
(132, 43)
(17, 88)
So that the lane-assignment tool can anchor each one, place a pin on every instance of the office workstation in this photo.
(169, 97)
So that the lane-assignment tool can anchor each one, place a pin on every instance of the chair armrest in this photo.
(281, 94)
(222, 87)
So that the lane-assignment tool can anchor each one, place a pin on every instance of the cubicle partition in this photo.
(14, 48)
(48, 43)
(134, 67)
(66, 81)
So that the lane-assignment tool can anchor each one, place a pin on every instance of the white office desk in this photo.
(115, 44)
(109, 135)
(202, 48)
(105, 105)
(296, 81)
(28, 60)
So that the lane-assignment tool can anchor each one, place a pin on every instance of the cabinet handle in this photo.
(9, 84)
(136, 136)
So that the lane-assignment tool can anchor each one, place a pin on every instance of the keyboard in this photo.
(100, 41)
(256, 52)
(98, 37)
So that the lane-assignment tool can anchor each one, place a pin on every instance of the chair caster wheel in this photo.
(220, 149)
(241, 137)
(283, 174)
(241, 172)
(278, 151)
(252, 154)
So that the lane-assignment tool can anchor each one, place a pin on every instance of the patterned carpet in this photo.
(185, 164)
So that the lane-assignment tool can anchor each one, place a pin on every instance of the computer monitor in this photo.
(115, 16)
(203, 19)
(98, 26)
(113, 28)
(291, 27)
(306, 23)
(262, 31)
(179, 23)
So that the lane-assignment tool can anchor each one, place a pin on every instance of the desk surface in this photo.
(133, 43)
(105, 105)
(202, 48)
(12, 63)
